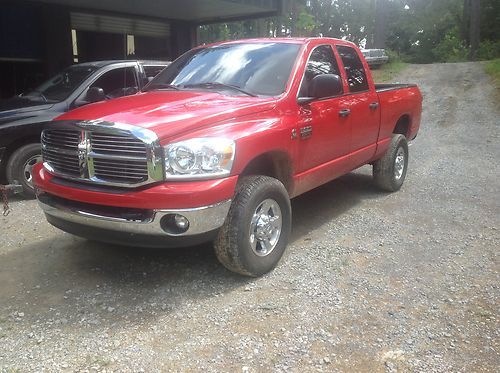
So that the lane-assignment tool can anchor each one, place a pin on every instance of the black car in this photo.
(22, 118)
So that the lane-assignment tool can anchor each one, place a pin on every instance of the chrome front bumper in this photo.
(201, 219)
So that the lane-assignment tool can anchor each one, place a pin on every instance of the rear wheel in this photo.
(20, 167)
(256, 231)
(389, 172)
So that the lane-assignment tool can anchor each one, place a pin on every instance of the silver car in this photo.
(375, 57)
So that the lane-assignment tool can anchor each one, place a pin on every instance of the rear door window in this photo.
(355, 72)
(152, 70)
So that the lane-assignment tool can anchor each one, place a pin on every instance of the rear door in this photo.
(363, 104)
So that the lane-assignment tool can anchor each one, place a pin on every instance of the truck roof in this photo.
(100, 64)
(294, 40)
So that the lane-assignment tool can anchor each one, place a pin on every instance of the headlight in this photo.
(201, 158)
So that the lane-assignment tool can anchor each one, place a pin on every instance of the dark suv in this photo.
(22, 118)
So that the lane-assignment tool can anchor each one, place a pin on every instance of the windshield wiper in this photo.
(219, 85)
(160, 86)
(39, 94)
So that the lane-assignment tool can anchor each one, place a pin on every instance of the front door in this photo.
(323, 134)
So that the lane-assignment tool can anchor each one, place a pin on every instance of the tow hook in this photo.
(14, 188)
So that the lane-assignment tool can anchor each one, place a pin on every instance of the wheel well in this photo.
(273, 164)
(12, 147)
(403, 125)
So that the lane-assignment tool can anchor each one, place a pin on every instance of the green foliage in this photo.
(387, 73)
(490, 19)
(419, 31)
(451, 48)
(230, 31)
(349, 19)
(489, 50)
(399, 39)
(305, 22)
(393, 55)
(492, 68)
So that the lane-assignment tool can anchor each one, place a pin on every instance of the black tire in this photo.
(233, 245)
(387, 171)
(15, 170)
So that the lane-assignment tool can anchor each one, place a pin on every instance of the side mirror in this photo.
(325, 85)
(322, 86)
(95, 94)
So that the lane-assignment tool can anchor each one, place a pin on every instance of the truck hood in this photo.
(18, 108)
(171, 113)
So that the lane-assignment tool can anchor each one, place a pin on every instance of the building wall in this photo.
(21, 51)
(56, 38)
(35, 43)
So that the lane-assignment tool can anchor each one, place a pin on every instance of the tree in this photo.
(380, 29)
(421, 31)
(490, 20)
(475, 30)
(466, 22)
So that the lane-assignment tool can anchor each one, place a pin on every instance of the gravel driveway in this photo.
(371, 282)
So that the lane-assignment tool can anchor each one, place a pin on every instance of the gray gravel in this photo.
(371, 282)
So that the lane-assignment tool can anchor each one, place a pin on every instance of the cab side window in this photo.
(153, 70)
(150, 71)
(356, 75)
(118, 82)
(321, 61)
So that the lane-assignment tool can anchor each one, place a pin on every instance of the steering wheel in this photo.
(40, 94)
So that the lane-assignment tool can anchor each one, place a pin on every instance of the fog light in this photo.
(181, 222)
(174, 224)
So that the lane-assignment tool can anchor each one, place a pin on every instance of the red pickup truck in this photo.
(218, 143)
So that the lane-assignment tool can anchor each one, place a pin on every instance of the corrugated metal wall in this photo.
(119, 25)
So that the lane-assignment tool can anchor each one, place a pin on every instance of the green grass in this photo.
(492, 68)
(386, 73)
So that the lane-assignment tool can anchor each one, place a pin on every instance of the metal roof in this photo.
(196, 11)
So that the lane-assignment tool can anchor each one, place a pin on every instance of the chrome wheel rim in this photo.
(265, 227)
(28, 168)
(399, 163)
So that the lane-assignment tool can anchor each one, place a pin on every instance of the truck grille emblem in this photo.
(83, 154)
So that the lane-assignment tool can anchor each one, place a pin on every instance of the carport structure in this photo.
(40, 37)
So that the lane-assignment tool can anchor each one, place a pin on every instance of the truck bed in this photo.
(396, 101)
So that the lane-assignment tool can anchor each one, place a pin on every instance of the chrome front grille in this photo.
(117, 144)
(134, 171)
(59, 150)
(103, 153)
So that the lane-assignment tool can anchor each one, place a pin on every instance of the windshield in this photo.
(243, 68)
(62, 85)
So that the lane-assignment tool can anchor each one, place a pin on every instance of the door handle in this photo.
(344, 112)
(373, 105)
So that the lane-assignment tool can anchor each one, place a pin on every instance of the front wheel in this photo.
(20, 166)
(255, 234)
(389, 172)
